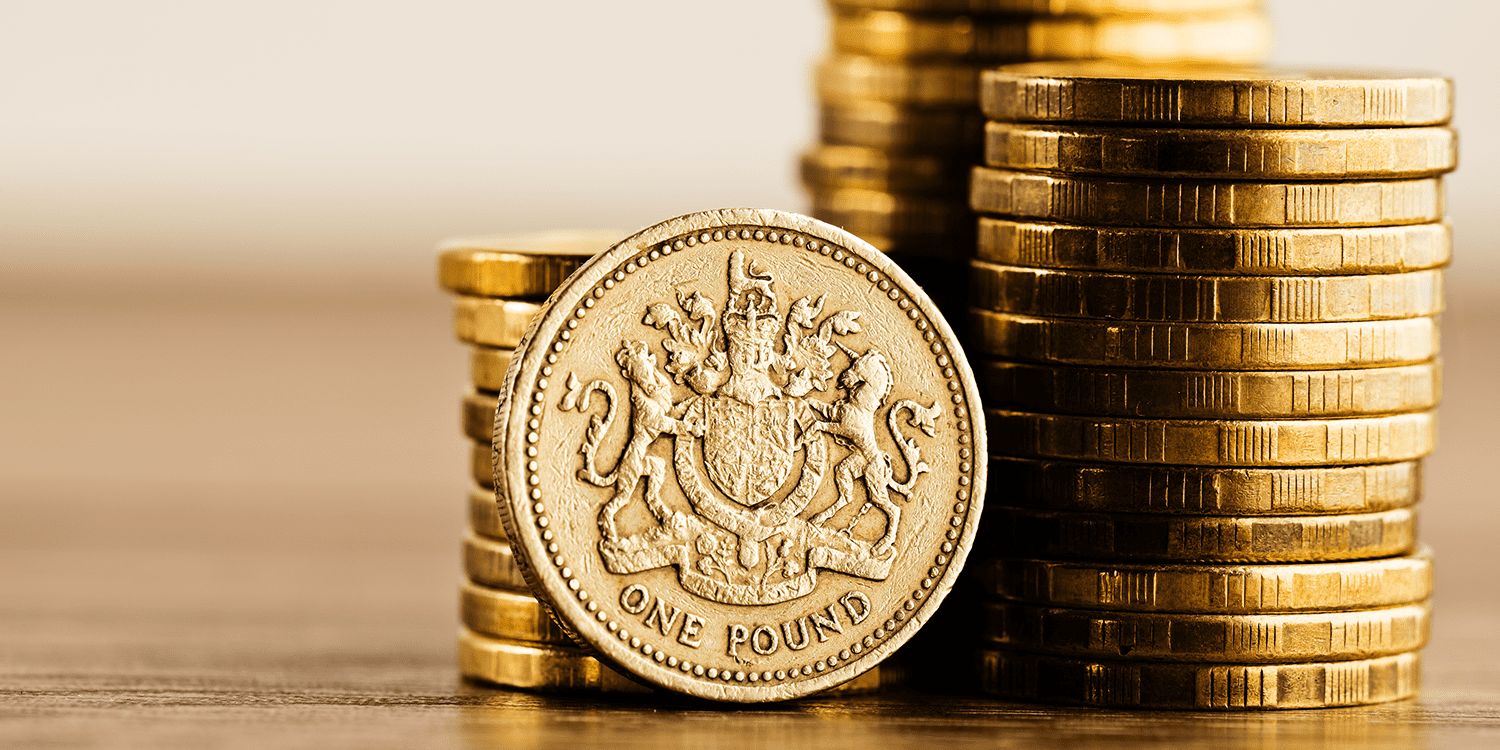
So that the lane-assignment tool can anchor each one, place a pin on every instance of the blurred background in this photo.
(217, 293)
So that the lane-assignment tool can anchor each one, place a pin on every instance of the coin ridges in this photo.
(521, 266)
(1069, 485)
(1204, 203)
(854, 77)
(1308, 251)
(827, 166)
(935, 130)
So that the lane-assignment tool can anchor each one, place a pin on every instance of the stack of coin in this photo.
(899, 125)
(1205, 301)
(508, 637)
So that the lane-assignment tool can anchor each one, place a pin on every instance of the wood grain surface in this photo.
(231, 516)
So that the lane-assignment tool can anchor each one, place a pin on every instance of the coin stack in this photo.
(1205, 302)
(899, 125)
(508, 637)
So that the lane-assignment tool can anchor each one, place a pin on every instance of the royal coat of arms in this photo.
(764, 405)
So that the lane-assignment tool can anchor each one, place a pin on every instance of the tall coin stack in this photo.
(1205, 301)
(507, 636)
(899, 122)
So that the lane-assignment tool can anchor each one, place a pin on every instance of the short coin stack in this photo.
(507, 636)
(1206, 303)
(898, 117)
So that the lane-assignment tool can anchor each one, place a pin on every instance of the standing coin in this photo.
(521, 266)
(1101, 91)
(742, 338)
(1259, 252)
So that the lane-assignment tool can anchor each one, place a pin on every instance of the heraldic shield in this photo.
(761, 389)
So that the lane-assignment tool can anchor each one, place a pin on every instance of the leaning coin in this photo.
(507, 614)
(1238, 687)
(1261, 252)
(491, 322)
(1205, 346)
(1241, 36)
(1186, 394)
(1205, 588)
(1212, 491)
(1205, 203)
(484, 517)
(845, 78)
(1109, 92)
(1054, 7)
(1216, 299)
(490, 563)
(518, 266)
(712, 573)
(1237, 153)
(487, 367)
(826, 166)
(478, 415)
(927, 130)
(1237, 639)
(1177, 538)
(1214, 442)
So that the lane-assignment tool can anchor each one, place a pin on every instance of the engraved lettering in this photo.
(660, 619)
(857, 614)
(764, 641)
(635, 599)
(691, 633)
(831, 622)
(738, 634)
(802, 640)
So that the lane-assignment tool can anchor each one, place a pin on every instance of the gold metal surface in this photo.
(927, 130)
(846, 78)
(1179, 394)
(1044, 292)
(491, 322)
(1203, 687)
(484, 517)
(482, 466)
(1222, 442)
(490, 563)
(508, 614)
(898, 217)
(1205, 346)
(1224, 588)
(1054, 7)
(1240, 36)
(1223, 153)
(478, 416)
(487, 367)
(1213, 491)
(519, 266)
(1235, 639)
(826, 166)
(1205, 203)
(706, 588)
(1269, 252)
(1101, 91)
(1181, 538)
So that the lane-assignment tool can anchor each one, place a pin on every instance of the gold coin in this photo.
(1180, 394)
(481, 466)
(1215, 442)
(1213, 588)
(1222, 299)
(1237, 687)
(1217, 153)
(1241, 36)
(1102, 91)
(927, 130)
(1236, 639)
(490, 563)
(1181, 538)
(1213, 491)
(479, 415)
(845, 78)
(507, 614)
(553, 668)
(1264, 252)
(522, 266)
(830, 167)
(491, 322)
(484, 517)
(487, 367)
(760, 335)
(1205, 346)
(943, 225)
(1054, 7)
(1203, 203)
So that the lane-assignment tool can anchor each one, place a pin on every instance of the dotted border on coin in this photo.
(961, 413)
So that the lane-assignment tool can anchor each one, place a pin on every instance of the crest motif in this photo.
(756, 374)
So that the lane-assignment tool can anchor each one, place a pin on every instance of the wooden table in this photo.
(231, 517)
